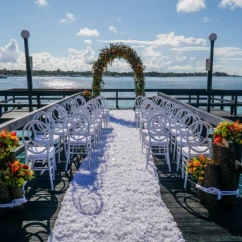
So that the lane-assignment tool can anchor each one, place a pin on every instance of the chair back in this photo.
(79, 127)
(199, 137)
(137, 102)
(80, 100)
(158, 127)
(70, 105)
(33, 129)
(59, 116)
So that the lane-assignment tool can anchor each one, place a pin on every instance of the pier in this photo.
(196, 222)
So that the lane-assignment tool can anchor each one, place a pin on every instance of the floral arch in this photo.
(106, 56)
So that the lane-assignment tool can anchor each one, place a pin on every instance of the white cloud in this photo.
(163, 39)
(190, 5)
(113, 29)
(69, 18)
(152, 51)
(88, 32)
(88, 41)
(10, 52)
(181, 58)
(192, 58)
(41, 2)
(199, 48)
(187, 68)
(206, 20)
(231, 59)
(138, 46)
(77, 60)
(231, 4)
(228, 51)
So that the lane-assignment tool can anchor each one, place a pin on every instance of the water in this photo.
(124, 83)
(232, 83)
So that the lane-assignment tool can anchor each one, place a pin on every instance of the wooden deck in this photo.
(13, 114)
(196, 222)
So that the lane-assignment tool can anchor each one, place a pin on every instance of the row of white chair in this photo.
(167, 126)
(76, 125)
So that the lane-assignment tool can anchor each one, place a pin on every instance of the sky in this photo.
(168, 35)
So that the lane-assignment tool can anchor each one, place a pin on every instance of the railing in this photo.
(18, 98)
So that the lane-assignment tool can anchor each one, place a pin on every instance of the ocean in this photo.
(231, 83)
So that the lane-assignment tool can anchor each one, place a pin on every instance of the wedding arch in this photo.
(106, 56)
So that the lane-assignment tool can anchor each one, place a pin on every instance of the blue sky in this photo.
(168, 35)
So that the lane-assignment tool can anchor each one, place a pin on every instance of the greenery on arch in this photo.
(106, 56)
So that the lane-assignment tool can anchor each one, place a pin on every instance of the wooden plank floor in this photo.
(196, 222)
(36, 220)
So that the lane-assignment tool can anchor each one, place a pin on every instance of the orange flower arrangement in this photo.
(8, 141)
(86, 93)
(228, 131)
(196, 166)
(15, 174)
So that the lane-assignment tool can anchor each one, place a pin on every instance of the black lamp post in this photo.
(212, 38)
(25, 34)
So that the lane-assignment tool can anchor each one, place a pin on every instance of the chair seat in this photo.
(163, 140)
(79, 140)
(181, 140)
(56, 138)
(173, 131)
(41, 153)
(193, 153)
(61, 131)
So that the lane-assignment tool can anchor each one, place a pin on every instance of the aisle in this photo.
(116, 199)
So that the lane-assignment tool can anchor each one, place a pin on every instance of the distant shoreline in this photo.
(60, 73)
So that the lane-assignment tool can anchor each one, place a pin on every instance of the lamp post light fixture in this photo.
(25, 34)
(212, 37)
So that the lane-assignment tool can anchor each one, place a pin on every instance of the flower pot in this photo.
(4, 194)
(87, 98)
(17, 192)
(200, 193)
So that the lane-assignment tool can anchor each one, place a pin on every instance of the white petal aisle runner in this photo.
(116, 199)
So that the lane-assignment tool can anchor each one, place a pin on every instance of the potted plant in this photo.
(227, 131)
(227, 140)
(14, 176)
(87, 95)
(206, 172)
(8, 142)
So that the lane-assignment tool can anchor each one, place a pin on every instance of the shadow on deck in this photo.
(197, 223)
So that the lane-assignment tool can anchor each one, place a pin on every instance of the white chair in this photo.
(59, 115)
(175, 121)
(147, 110)
(79, 139)
(70, 105)
(137, 108)
(39, 153)
(47, 119)
(179, 133)
(199, 143)
(103, 104)
(157, 140)
(80, 100)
